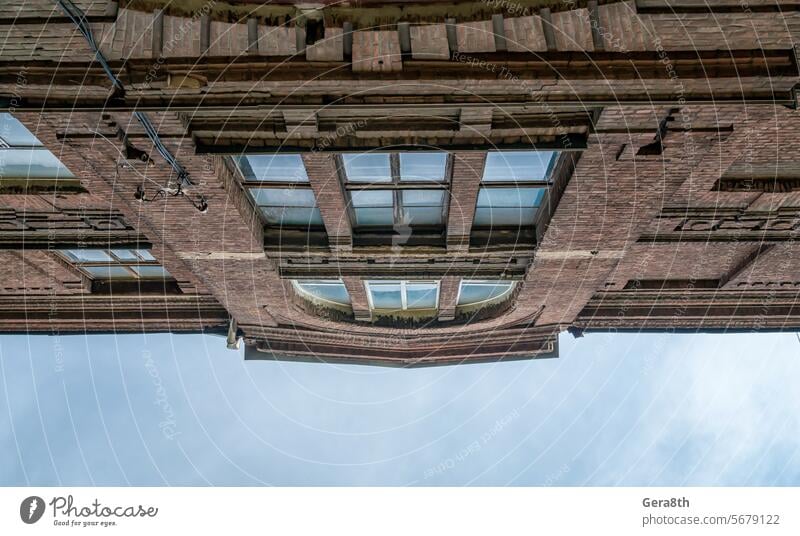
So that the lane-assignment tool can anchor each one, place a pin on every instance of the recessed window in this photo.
(280, 189)
(392, 296)
(368, 167)
(273, 167)
(507, 207)
(423, 166)
(331, 291)
(288, 206)
(391, 190)
(117, 263)
(23, 156)
(483, 292)
(518, 166)
(513, 187)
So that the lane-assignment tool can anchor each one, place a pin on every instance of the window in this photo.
(288, 207)
(483, 292)
(280, 189)
(518, 166)
(273, 167)
(507, 207)
(24, 157)
(331, 291)
(513, 187)
(394, 296)
(113, 264)
(391, 190)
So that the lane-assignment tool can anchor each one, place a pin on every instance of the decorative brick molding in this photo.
(723, 226)
(31, 229)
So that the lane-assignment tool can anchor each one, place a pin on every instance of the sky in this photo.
(613, 409)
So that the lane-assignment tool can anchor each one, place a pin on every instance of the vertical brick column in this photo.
(448, 297)
(321, 170)
(467, 172)
(358, 298)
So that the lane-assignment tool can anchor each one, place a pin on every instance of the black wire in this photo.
(183, 175)
(79, 19)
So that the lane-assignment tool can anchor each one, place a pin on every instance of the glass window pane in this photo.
(151, 271)
(386, 296)
(374, 216)
(334, 292)
(421, 295)
(510, 197)
(284, 197)
(422, 215)
(273, 167)
(515, 217)
(299, 216)
(423, 166)
(32, 164)
(14, 133)
(478, 292)
(367, 167)
(125, 254)
(89, 255)
(518, 165)
(145, 255)
(372, 198)
(108, 272)
(423, 198)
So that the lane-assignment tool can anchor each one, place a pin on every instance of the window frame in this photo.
(502, 237)
(297, 285)
(253, 184)
(545, 184)
(551, 166)
(397, 186)
(10, 184)
(403, 295)
(115, 261)
(494, 282)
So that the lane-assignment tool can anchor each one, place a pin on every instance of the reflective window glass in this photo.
(403, 295)
(367, 167)
(117, 263)
(507, 206)
(327, 290)
(518, 165)
(23, 156)
(273, 168)
(423, 166)
(473, 292)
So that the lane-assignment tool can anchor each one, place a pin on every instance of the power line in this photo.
(79, 19)
(152, 133)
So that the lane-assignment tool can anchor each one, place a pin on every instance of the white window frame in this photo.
(403, 295)
(297, 284)
(487, 282)
(115, 261)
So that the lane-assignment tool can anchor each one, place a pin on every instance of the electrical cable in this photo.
(152, 133)
(79, 19)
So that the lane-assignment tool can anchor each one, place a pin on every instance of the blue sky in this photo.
(625, 409)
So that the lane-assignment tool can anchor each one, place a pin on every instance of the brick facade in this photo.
(638, 234)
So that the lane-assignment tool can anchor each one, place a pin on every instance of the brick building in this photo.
(399, 183)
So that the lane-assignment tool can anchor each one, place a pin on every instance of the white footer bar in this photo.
(400, 511)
